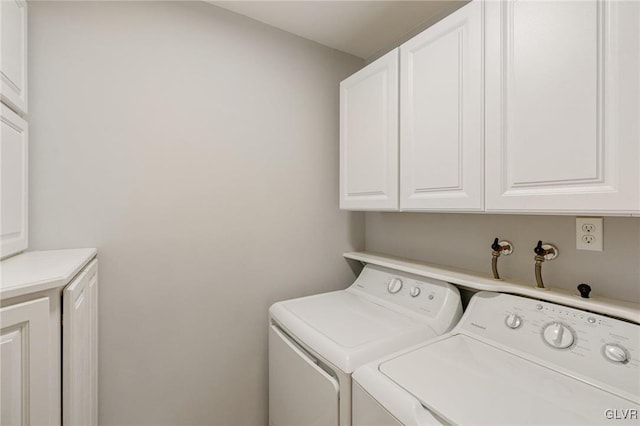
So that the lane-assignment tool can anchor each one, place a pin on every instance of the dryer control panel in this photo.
(425, 297)
(594, 348)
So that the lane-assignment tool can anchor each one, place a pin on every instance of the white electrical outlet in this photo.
(589, 233)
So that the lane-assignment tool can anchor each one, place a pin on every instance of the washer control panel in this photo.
(598, 349)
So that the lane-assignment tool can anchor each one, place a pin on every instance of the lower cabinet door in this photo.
(300, 392)
(80, 349)
(24, 363)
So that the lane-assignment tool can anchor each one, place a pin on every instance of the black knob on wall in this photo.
(584, 290)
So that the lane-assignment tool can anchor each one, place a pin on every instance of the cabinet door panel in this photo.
(13, 182)
(24, 363)
(13, 53)
(562, 106)
(369, 137)
(441, 130)
(80, 349)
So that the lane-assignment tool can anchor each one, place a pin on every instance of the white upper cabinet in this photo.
(13, 54)
(369, 137)
(13, 182)
(441, 115)
(562, 114)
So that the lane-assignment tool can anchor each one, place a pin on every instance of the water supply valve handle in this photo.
(495, 246)
(584, 290)
(546, 251)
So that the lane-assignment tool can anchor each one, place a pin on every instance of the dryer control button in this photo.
(395, 285)
(415, 291)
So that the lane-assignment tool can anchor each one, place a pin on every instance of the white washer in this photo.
(510, 361)
(316, 342)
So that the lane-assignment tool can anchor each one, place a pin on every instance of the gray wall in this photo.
(198, 151)
(463, 240)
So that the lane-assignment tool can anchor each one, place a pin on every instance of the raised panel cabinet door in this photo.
(562, 107)
(369, 137)
(13, 53)
(80, 349)
(442, 115)
(14, 150)
(24, 363)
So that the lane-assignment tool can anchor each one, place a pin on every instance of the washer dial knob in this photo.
(615, 353)
(395, 285)
(513, 321)
(415, 291)
(558, 335)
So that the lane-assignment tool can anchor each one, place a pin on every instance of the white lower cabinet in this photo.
(80, 349)
(562, 95)
(49, 340)
(24, 363)
(441, 115)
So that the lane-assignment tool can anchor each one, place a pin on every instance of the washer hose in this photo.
(539, 260)
(494, 265)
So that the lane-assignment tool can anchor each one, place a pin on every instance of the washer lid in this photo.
(465, 381)
(348, 330)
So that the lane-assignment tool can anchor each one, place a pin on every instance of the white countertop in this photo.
(35, 271)
(616, 308)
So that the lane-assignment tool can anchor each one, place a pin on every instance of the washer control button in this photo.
(539, 307)
(558, 335)
(513, 321)
(415, 291)
(395, 285)
(615, 353)
(591, 320)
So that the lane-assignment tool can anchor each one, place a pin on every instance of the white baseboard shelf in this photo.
(473, 280)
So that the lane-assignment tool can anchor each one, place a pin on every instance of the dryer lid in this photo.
(465, 381)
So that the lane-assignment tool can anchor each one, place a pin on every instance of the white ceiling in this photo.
(361, 28)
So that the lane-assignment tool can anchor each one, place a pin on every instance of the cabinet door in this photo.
(441, 120)
(562, 109)
(13, 53)
(369, 137)
(13, 182)
(80, 349)
(24, 363)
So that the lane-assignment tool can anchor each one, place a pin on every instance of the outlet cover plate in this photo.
(589, 233)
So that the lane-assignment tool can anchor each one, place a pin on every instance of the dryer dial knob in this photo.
(415, 291)
(558, 335)
(513, 321)
(615, 353)
(395, 285)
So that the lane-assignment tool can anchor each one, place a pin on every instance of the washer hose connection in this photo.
(499, 247)
(543, 252)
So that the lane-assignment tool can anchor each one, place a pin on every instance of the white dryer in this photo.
(316, 342)
(510, 361)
